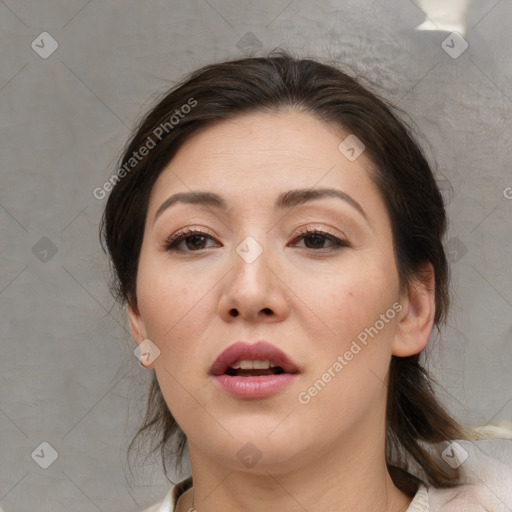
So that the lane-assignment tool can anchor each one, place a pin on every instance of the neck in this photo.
(343, 480)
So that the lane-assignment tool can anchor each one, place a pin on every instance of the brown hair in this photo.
(400, 170)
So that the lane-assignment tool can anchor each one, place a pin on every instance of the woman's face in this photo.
(258, 272)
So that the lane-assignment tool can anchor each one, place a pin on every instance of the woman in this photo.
(276, 234)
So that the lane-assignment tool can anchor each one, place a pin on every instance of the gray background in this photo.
(67, 372)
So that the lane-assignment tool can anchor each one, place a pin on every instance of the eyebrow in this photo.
(285, 200)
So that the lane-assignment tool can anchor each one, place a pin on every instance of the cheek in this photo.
(176, 310)
(173, 305)
(355, 346)
(351, 298)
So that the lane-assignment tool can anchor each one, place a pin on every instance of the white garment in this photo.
(486, 473)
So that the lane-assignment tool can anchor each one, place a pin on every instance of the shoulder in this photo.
(167, 505)
(169, 502)
(486, 470)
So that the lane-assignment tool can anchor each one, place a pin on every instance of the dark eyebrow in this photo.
(201, 198)
(285, 200)
(301, 196)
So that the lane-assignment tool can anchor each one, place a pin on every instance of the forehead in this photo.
(257, 156)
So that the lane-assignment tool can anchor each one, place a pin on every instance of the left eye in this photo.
(317, 239)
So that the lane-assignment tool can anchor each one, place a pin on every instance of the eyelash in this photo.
(171, 243)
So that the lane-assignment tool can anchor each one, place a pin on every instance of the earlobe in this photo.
(417, 317)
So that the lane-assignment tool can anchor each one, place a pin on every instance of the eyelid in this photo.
(322, 229)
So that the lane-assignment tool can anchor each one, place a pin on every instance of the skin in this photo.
(305, 295)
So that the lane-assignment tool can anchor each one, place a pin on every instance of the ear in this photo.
(137, 328)
(416, 319)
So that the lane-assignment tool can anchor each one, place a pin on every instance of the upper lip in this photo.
(259, 351)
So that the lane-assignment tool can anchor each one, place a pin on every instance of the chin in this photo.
(258, 446)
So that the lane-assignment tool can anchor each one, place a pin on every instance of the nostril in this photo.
(233, 312)
(267, 311)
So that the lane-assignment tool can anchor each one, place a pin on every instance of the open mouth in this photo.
(253, 368)
(259, 359)
(254, 371)
(232, 372)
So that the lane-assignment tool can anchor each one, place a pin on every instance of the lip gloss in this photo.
(262, 386)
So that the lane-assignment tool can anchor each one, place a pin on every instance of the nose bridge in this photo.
(250, 263)
(252, 253)
(252, 290)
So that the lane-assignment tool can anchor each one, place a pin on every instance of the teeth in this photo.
(261, 365)
(252, 365)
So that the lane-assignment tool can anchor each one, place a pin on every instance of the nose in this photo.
(253, 290)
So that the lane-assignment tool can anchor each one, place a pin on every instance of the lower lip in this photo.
(247, 388)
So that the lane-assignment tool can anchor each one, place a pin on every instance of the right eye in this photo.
(194, 240)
